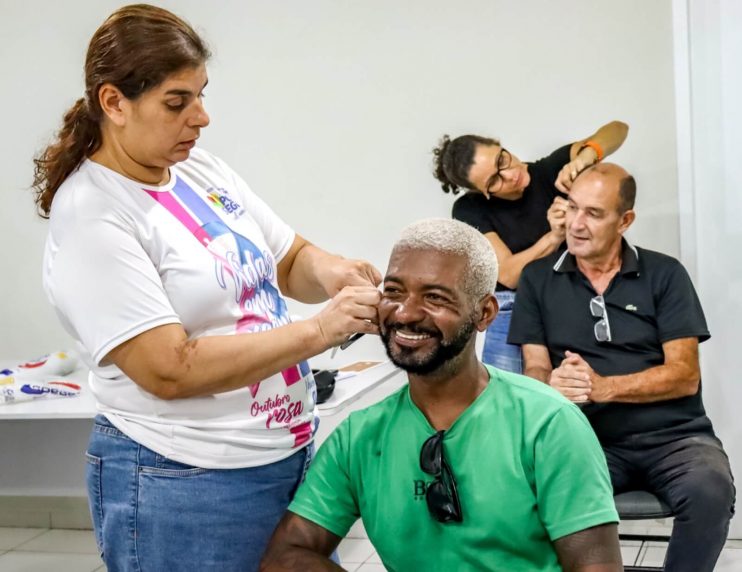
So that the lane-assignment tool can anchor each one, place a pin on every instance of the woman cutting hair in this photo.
(519, 206)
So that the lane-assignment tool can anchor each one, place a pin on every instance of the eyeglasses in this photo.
(503, 162)
(441, 496)
(602, 328)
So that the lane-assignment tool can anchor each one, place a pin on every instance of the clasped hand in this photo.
(577, 381)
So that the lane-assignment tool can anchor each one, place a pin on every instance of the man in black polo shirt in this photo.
(616, 328)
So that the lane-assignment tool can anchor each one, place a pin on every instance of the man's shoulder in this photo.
(544, 266)
(661, 272)
(652, 260)
(376, 416)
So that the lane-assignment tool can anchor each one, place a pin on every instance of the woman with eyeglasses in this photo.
(519, 206)
(172, 277)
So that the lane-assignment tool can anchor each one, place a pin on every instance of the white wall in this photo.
(329, 109)
(712, 232)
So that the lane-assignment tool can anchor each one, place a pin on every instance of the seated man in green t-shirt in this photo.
(467, 467)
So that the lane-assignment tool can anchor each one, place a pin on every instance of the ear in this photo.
(488, 311)
(113, 103)
(627, 219)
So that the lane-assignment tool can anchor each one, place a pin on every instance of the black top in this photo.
(651, 300)
(520, 223)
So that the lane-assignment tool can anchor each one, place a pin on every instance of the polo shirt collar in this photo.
(629, 260)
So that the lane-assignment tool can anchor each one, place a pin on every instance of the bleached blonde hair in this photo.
(455, 237)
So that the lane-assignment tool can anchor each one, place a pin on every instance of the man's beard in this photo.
(405, 359)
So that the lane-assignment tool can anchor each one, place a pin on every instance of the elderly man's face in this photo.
(594, 223)
(425, 317)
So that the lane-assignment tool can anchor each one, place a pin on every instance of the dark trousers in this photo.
(692, 475)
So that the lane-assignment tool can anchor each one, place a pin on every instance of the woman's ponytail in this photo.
(79, 138)
(439, 155)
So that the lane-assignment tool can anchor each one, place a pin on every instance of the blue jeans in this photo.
(497, 351)
(152, 514)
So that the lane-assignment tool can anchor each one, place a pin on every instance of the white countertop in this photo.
(83, 405)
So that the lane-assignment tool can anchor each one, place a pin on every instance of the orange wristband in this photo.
(595, 146)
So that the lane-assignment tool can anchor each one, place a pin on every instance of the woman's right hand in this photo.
(557, 217)
(352, 310)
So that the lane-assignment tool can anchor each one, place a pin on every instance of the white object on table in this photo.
(81, 406)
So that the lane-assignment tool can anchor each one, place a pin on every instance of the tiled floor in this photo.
(43, 550)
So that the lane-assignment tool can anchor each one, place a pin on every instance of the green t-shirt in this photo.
(528, 467)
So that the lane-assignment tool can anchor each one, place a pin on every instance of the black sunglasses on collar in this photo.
(442, 496)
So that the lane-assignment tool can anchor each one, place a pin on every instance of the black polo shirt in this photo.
(651, 300)
(520, 223)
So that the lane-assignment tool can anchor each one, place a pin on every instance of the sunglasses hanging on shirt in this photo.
(442, 496)
(602, 328)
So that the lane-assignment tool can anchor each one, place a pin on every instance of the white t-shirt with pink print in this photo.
(122, 258)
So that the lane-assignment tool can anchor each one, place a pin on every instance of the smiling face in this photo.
(425, 317)
(595, 223)
(498, 173)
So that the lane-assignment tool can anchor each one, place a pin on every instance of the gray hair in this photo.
(455, 237)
